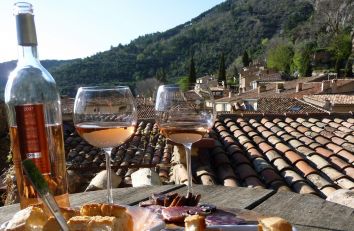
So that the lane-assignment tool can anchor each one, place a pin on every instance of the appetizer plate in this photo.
(144, 220)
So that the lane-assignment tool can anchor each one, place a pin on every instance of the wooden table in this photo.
(306, 212)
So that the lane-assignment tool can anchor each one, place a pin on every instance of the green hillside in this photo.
(7, 67)
(231, 28)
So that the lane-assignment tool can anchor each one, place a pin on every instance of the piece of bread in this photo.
(98, 223)
(194, 223)
(51, 225)
(69, 213)
(124, 219)
(30, 218)
(79, 223)
(97, 209)
(274, 224)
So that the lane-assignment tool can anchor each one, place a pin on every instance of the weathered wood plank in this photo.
(308, 212)
(127, 196)
(229, 197)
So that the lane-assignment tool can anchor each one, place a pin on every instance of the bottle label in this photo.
(32, 135)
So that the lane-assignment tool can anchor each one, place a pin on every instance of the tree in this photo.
(245, 59)
(147, 87)
(280, 58)
(192, 73)
(335, 15)
(341, 47)
(302, 60)
(222, 70)
(161, 75)
(183, 82)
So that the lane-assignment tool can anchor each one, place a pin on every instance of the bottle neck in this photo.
(27, 54)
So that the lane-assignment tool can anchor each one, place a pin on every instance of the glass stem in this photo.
(109, 175)
(188, 149)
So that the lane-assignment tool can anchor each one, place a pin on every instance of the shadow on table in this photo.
(310, 227)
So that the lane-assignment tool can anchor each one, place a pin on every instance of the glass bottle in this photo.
(34, 115)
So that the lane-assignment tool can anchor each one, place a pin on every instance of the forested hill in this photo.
(7, 67)
(230, 28)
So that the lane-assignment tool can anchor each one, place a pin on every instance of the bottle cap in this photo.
(26, 30)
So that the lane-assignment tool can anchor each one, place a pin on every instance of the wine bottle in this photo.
(34, 116)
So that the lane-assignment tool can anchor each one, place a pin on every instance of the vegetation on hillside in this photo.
(285, 33)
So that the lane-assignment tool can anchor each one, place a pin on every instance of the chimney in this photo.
(334, 85)
(262, 88)
(327, 104)
(325, 85)
(299, 87)
(279, 87)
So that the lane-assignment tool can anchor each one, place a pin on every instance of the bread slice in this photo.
(99, 223)
(51, 225)
(274, 224)
(194, 223)
(124, 219)
(79, 223)
(30, 218)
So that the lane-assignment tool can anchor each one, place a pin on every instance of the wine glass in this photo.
(105, 118)
(184, 115)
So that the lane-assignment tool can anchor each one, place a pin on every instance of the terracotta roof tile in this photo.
(269, 176)
(345, 183)
(322, 140)
(318, 161)
(281, 147)
(274, 140)
(295, 143)
(291, 176)
(239, 158)
(244, 171)
(324, 152)
(260, 164)
(220, 158)
(293, 157)
(272, 155)
(279, 186)
(349, 171)
(233, 149)
(281, 164)
(253, 153)
(328, 190)
(349, 157)
(332, 173)
(305, 151)
(253, 181)
(265, 147)
(305, 168)
(225, 171)
(318, 181)
(303, 188)
(338, 162)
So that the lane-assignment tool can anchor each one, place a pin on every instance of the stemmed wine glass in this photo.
(184, 115)
(105, 118)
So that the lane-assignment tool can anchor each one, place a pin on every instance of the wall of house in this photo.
(222, 107)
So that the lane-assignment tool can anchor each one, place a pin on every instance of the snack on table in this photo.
(194, 223)
(90, 217)
(274, 224)
(123, 221)
(27, 219)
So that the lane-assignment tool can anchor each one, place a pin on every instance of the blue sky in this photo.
(69, 29)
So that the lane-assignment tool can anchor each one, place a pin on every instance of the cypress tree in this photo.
(192, 74)
(222, 70)
(245, 59)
